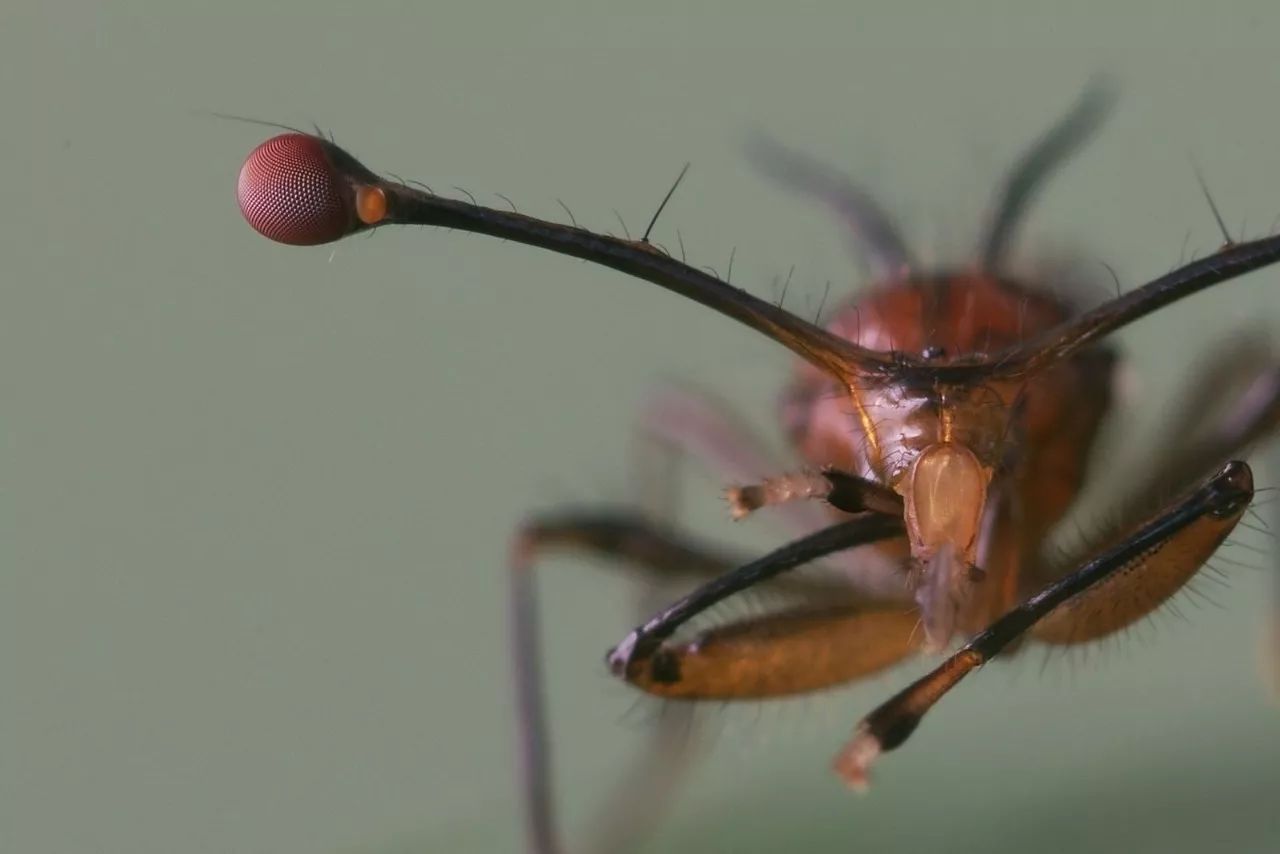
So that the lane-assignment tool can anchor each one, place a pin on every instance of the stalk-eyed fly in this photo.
(942, 420)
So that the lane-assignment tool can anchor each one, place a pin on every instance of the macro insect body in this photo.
(943, 420)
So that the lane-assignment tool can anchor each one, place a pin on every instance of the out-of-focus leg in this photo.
(680, 424)
(643, 548)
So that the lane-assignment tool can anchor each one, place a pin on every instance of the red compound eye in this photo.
(289, 192)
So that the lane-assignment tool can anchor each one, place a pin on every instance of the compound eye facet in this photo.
(290, 192)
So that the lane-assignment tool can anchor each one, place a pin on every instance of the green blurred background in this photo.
(256, 499)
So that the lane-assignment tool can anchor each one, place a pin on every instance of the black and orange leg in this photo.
(791, 651)
(680, 423)
(640, 656)
(760, 656)
(1119, 585)
(797, 649)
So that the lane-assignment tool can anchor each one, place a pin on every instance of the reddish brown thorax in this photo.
(957, 453)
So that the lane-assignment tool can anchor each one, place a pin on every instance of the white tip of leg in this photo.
(620, 656)
(856, 758)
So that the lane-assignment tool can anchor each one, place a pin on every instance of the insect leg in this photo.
(846, 492)
(1242, 389)
(697, 425)
(691, 424)
(794, 650)
(680, 421)
(1230, 407)
(656, 552)
(1117, 586)
(1250, 419)
(683, 422)
(637, 657)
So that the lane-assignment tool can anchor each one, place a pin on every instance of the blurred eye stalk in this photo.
(943, 420)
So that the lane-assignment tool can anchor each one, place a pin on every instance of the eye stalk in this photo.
(291, 190)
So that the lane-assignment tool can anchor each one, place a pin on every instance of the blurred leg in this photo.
(641, 547)
(678, 423)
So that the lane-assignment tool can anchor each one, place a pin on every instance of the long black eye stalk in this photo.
(292, 199)
(301, 189)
